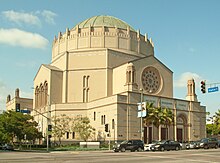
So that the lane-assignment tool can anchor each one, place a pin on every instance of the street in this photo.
(196, 156)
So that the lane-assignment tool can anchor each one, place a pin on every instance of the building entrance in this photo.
(179, 134)
(147, 135)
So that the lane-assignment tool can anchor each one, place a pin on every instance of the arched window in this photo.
(130, 74)
(85, 88)
(129, 77)
(36, 97)
(41, 95)
(45, 93)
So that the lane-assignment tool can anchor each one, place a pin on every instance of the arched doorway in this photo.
(181, 130)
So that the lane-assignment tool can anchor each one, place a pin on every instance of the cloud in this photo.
(2, 84)
(33, 18)
(2, 95)
(182, 80)
(16, 37)
(22, 18)
(49, 16)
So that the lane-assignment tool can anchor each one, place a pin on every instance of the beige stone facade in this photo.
(19, 104)
(97, 70)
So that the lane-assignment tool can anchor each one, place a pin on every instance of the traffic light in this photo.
(49, 128)
(203, 87)
(17, 107)
(106, 128)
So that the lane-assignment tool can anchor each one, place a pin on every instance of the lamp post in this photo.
(141, 114)
(48, 120)
(48, 117)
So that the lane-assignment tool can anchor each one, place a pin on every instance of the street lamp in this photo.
(48, 117)
(141, 114)
(48, 120)
(48, 123)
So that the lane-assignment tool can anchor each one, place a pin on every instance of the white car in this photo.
(148, 146)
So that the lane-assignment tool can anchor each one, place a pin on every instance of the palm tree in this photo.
(167, 118)
(217, 119)
(149, 117)
(159, 116)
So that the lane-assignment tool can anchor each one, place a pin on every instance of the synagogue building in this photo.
(102, 68)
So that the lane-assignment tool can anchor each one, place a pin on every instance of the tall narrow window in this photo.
(104, 120)
(94, 116)
(133, 77)
(46, 93)
(67, 135)
(130, 74)
(84, 81)
(113, 124)
(85, 88)
(84, 95)
(73, 135)
(36, 97)
(87, 94)
(41, 95)
(129, 77)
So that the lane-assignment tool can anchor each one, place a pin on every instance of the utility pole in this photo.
(141, 115)
(48, 117)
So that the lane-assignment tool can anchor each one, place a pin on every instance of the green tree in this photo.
(150, 116)
(31, 132)
(159, 116)
(81, 125)
(212, 129)
(217, 118)
(14, 125)
(60, 126)
(167, 118)
(4, 135)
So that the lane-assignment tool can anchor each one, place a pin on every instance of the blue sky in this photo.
(185, 33)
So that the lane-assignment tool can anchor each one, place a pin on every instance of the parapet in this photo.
(95, 36)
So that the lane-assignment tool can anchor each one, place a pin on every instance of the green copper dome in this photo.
(107, 21)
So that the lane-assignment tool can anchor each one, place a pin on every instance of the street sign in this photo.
(142, 114)
(142, 110)
(25, 111)
(212, 89)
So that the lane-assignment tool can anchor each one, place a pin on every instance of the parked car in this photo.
(166, 145)
(8, 147)
(132, 145)
(148, 146)
(207, 143)
(193, 145)
(218, 143)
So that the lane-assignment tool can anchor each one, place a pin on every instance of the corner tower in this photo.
(191, 93)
